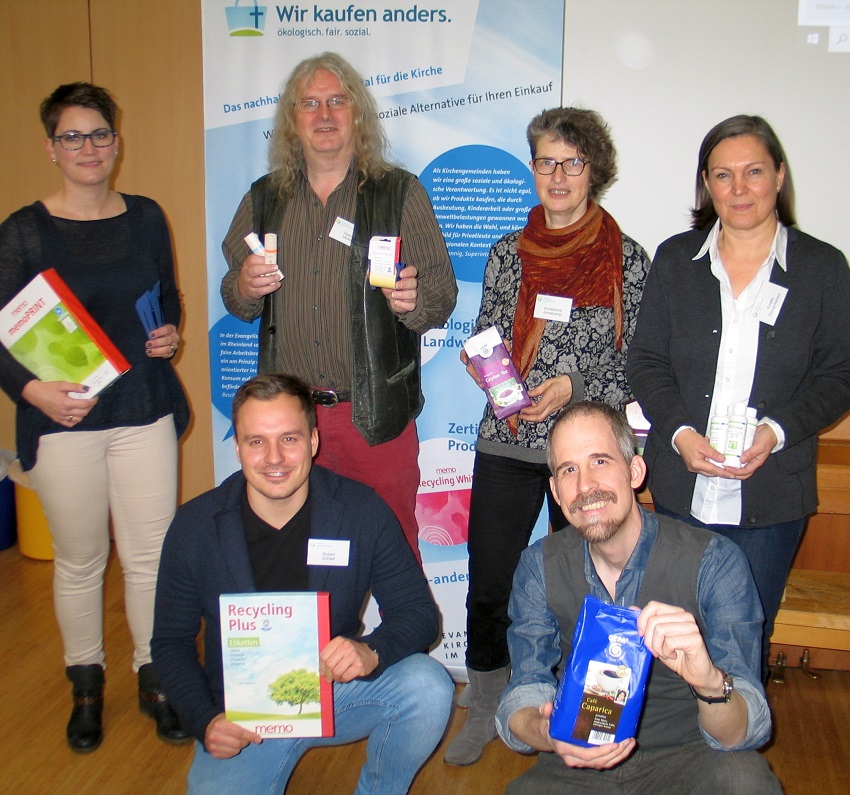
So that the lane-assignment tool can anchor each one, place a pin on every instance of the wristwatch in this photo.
(728, 687)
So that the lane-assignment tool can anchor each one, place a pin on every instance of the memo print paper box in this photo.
(48, 330)
(490, 358)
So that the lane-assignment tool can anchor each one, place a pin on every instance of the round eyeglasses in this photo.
(73, 140)
(572, 167)
(334, 103)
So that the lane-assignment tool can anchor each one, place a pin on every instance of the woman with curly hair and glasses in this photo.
(573, 249)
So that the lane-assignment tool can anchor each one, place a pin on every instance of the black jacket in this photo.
(801, 380)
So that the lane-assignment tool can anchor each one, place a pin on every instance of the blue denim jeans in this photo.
(403, 713)
(770, 549)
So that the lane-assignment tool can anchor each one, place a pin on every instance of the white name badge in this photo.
(553, 307)
(768, 302)
(327, 552)
(342, 230)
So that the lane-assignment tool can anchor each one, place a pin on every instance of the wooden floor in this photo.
(810, 752)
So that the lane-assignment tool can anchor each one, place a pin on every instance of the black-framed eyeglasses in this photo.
(313, 105)
(74, 140)
(572, 167)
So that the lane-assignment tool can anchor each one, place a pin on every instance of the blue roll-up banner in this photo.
(456, 83)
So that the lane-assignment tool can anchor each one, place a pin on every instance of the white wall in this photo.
(663, 72)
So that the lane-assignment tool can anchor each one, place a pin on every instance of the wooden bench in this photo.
(815, 613)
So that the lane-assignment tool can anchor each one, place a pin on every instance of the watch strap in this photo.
(728, 687)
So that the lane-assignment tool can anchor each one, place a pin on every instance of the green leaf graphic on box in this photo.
(55, 348)
(48, 331)
(26, 344)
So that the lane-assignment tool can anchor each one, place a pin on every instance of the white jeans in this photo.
(81, 478)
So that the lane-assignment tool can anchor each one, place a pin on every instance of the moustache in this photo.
(590, 498)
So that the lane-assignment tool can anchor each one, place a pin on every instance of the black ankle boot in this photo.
(85, 728)
(153, 702)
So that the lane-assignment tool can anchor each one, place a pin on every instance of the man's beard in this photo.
(595, 530)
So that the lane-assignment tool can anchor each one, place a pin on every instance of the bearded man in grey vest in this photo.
(705, 712)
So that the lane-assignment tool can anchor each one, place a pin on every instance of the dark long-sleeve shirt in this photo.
(204, 555)
(108, 264)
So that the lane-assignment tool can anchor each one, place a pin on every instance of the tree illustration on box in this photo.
(297, 688)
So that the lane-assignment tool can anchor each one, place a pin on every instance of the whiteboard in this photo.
(663, 72)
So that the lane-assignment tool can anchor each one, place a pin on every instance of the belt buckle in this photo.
(326, 397)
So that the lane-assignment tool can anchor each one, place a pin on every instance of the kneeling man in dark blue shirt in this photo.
(252, 533)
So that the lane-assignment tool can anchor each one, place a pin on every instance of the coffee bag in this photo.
(601, 692)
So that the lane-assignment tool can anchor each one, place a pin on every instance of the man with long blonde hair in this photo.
(330, 191)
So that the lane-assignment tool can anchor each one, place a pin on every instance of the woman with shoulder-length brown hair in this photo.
(743, 314)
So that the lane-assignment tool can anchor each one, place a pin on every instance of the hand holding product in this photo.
(601, 692)
(490, 358)
(268, 251)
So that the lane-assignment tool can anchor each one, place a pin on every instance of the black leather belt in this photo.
(330, 397)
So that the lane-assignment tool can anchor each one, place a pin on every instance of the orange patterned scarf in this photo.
(583, 261)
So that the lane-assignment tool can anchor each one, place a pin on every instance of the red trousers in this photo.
(391, 468)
